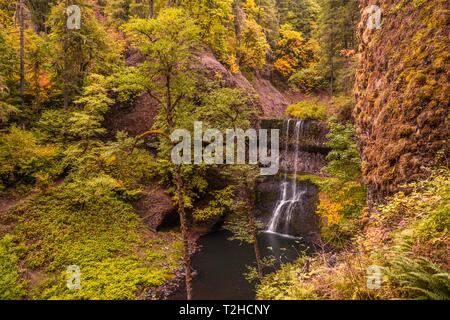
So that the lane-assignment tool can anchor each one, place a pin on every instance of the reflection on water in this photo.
(221, 263)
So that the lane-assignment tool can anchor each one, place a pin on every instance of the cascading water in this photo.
(291, 196)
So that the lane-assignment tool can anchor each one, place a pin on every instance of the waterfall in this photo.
(290, 199)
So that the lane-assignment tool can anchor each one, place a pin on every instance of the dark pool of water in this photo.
(221, 264)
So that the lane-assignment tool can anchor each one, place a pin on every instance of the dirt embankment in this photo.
(7, 221)
(138, 116)
(272, 101)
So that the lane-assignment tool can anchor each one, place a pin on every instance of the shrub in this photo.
(344, 161)
(308, 109)
(23, 161)
(221, 202)
(307, 79)
(11, 286)
(340, 208)
(120, 159)
(283, 285)
(54, 125)
(119, 278)
(343, 107)
(420, 278)
(417, 260)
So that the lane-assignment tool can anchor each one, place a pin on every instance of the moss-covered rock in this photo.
(402, 93)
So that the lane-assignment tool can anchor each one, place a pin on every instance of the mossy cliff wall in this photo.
(402, 92)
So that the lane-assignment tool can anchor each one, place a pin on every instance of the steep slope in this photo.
(138, 116)
(270, 100)
(402, 92)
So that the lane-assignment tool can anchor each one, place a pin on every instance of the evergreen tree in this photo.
(301, 14)
(337, 24)
(40, 10)
(76, 53)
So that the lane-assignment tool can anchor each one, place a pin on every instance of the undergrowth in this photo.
(85, 223)
(407, 238)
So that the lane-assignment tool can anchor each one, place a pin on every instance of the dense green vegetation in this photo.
(73, 176)
(308, 109)
(91, 228)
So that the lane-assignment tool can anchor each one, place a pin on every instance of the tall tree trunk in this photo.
(37, 87)
(252, 225)
(180, 193)
(66, 86)
(332, 56)
(184, 233)
(332, 78)
(251, 219)
(66, 67)
(22, 53)
(151, 8)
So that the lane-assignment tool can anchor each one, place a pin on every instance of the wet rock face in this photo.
(402, 93)
(266, 196)
(307, 162)
(306, 225)
(305, 222)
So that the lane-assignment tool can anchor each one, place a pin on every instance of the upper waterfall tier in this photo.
(304, 151)
(312, 136)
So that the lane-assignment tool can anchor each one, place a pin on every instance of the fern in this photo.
(420, 278)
